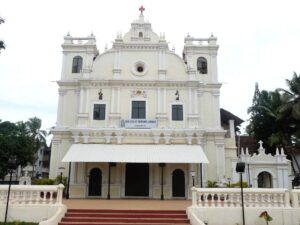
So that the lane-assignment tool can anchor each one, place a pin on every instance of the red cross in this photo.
(142, 9)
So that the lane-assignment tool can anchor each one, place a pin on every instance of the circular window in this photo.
(139, 68)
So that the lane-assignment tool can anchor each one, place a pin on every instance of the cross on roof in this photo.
(142, 9)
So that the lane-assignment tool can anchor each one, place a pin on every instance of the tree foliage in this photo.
(2, 45)
(275, 116)
(22, 140)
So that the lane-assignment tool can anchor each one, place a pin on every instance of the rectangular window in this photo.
(177, 112)
(99, 112)
(138, 110)
(77, 64)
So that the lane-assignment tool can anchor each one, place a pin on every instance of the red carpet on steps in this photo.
(124, 217)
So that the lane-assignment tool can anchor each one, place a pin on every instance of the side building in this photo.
(137, 120)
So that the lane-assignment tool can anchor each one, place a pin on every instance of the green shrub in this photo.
(57, 180)
(211, 184)
(43, 181)
(237, 184)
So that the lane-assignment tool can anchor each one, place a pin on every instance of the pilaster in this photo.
(60, 110)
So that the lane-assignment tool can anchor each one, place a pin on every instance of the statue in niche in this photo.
(177, 95)
(100, 94)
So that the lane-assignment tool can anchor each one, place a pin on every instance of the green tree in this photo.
(266, 120)
(37, 137)
(21, 139)
(13, 142)
(2, 45)
(291, 109)
(275, 118)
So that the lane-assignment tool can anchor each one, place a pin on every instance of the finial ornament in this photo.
(142, 9)
(260, 145)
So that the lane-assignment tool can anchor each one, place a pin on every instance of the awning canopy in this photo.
(135, 153)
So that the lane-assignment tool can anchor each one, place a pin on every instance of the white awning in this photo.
(135, 153)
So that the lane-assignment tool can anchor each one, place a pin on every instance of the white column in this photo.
(158, 100)
(213, 68)
(55, 158)
(200, 106)
(220, 155)
(60, 110)
(190, 101)
(63, 70)
(165, 100)
(195, 102)
(87, 100)
(118, 99)
(73, 171)
(204, 165)
(77, 95)
(112, 106)
(216, 110)
(81, 100)
(81, 173)
(189, 174)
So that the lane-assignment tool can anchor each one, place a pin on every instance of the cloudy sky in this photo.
(259, 42)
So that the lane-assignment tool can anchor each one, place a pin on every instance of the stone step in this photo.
(124, 217)
(124, 220)
(128, 211)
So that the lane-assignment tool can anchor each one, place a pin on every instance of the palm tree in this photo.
(267, 120)
(37, 136)
(292, 107)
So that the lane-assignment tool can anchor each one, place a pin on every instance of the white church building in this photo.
(138, 120)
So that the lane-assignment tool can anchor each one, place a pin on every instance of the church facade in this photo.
(138, 120)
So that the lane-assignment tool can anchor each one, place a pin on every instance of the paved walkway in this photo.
(127, 204)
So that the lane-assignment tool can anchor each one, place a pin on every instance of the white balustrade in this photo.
(32, 194)
(295, 198)
(253, 197)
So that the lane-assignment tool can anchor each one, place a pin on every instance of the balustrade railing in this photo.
(231, 197)
(32, 194)
(295, 198)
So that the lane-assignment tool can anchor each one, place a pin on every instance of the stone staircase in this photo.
(124, 217)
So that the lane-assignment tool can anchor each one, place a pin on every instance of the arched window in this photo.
(202, 65)
(77, 64)
(264, 180)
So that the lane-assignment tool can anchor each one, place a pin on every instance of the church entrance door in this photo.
(137, 179)
(178, 183)
(95, 182)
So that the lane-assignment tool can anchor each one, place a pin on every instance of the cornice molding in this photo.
(138, 83)
(139, 46)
